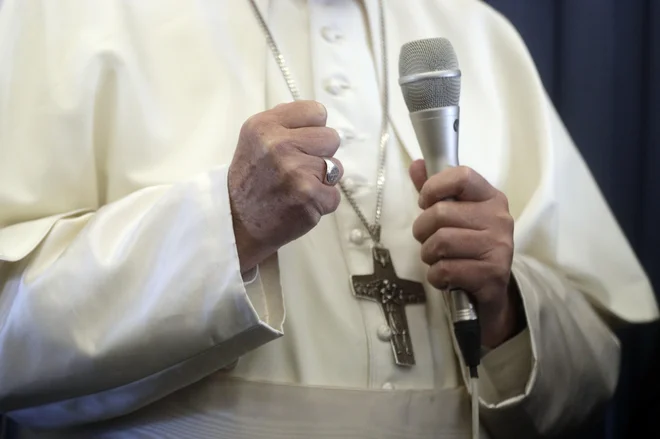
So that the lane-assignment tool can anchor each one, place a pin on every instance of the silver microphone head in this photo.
(429, 74)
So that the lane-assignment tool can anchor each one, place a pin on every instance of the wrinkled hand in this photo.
(276, 178)
(468, 243)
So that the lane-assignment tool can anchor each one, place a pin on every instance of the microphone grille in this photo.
(423, 56)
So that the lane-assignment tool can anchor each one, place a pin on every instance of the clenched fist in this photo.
(468, 243)
(276, 178)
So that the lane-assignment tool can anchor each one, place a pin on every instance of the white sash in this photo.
(239, 409)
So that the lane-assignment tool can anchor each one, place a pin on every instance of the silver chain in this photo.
(373, 229)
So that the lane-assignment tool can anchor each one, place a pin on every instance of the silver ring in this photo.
(332, 172)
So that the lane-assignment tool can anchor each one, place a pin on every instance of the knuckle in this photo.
(276, 145)
(305, 193)
(417, 231)
(305, 215)
(433, 250)
(256, 127)
(252, 123)
(333, 139)
(269, 143)
(313, 110)
(440, 211)
(444, 270)
(498, 247)
(464, 176)
(335, 135)
(305, 205)
(506, 220)
(427, 254)
(503, 200)
(439, 275)
(335, 199)
(280, 105)
(436, 250)
(319, 110)
(289, 172)
(325, 141)
(505, 244)
(312, 215)
(425, 195)
(500, 273)
(441, 243)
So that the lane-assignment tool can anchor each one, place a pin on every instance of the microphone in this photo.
(431, 84)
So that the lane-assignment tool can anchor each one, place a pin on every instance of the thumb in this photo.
(418, 174)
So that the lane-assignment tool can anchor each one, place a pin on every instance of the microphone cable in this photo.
(468, 336)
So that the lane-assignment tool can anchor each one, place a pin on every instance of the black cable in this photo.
(468, 335)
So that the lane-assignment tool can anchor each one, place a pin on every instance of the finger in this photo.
(459, 214)
(418, 174)
(300, 114)
(453, 243)
(461, 183)
(316, 141)
(327, 198)
(467, 274)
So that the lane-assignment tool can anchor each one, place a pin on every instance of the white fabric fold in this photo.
(567, 352)
(112, 347)
(237, 409)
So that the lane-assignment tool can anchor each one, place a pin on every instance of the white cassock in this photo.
(121, 296)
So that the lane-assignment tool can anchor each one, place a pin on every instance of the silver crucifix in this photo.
(393, 294)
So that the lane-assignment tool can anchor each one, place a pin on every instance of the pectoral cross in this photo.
(393, 294)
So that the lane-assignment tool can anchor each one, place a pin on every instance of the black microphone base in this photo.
(468, 335)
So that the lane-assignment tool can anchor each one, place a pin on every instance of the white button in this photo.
(388, 386)
(336, 86)
(331, 34)
(357, 236)
(384, 333)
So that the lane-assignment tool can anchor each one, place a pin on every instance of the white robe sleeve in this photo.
(575, 270)
(150, 279)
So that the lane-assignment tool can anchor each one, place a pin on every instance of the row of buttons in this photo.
(338, 85)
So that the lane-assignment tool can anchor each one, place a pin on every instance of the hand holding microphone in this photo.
(468, 243)
(466, 230)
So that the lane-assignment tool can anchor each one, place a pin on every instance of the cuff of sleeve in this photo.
(250, 276)
(506, 370)
(266, 298)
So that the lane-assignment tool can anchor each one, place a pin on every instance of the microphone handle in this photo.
(437, 132)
